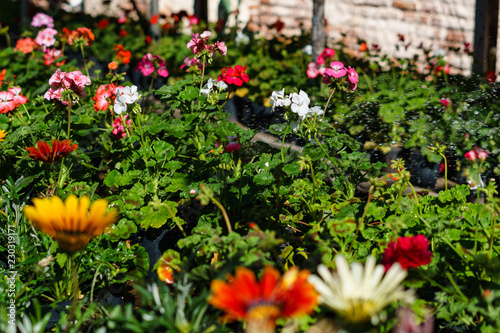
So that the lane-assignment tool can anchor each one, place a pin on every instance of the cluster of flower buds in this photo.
(314, 69)
(119, 128)
(199, 46)
(149, 63)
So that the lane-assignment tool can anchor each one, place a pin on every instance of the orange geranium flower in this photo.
(3, 72)
(86, 34)
(49, 155)
(261, 303)
(122, 55)
(70, 223)
(25, 45)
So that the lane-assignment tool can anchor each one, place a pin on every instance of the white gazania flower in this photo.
(359, 294)
(278, 99)
(300, 104)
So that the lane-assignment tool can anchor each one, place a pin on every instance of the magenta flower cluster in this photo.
(198, 44)
(337, 71)
(62, 81)
(149, 63)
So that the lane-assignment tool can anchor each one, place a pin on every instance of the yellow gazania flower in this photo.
(70, 223)
(2, 134)
(359, 293)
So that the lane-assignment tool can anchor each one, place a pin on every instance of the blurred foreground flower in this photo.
(261, 303)
(3, 134)
(70, 223)
(49, 155)
(358, 294)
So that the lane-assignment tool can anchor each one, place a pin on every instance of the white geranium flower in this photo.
(221, 85)
(278, 98)
(300, 104)
(316, 110)
(359, 293)
(207, 89)
(130, 94)
(120, 104)
(241, 38)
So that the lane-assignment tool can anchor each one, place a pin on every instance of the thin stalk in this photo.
(25, 109)
(400, 194)
(84, 61)
(93, 282)
(20, 119)
(337, 167)
(177, 223)
(75, 292)
(142, 137)
(493, 222)
(202, 73)
(328, 102)
(455, 286)
(152, 81)
(69, 117)
(445, 171)
(224, 213)
(478, 205)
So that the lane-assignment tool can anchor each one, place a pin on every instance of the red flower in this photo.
(408, 251)
(491, 77)
(261, 303)
(123, 33)
(148, 40)
(470, 156)
(103, 24)
(363, 47)
(236, 75)
(154, 19)
(49, 155)
(278, 25)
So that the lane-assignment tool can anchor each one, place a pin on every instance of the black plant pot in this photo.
(423, 172)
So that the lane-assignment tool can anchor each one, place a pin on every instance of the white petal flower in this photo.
(120, 104)
(316, 110)
(278, 98)
(221, 85)
(207, 89)
(129, 94)
(359, 293)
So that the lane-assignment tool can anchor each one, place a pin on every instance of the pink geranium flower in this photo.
(41, 19)
(19, 99)
(62, 81)
(51, 55)
(196, 44)
(470, 156)
(445, 101)
(119, 128)
(336, 71)
(7, 102)
(149, 63)
(190, 62)
(326, 54)
(45, 37)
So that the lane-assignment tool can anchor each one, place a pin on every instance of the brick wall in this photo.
(437, 25)
(433, 24)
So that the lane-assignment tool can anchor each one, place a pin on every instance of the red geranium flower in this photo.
(49, 155)
(261, 303)
(103, 24)
(410, 251)
(236, 75)
(154, 19)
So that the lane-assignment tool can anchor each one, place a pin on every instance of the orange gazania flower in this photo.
(261, 303)
(49, 155)
(70, 223)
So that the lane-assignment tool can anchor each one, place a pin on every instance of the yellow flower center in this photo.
(359, 310)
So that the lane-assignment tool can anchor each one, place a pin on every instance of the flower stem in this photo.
(202, 74)
(177, 223)
(69, 117)
(445, 171)
(84, 61)
(328, 102)
(362, 218)
(25, 109)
